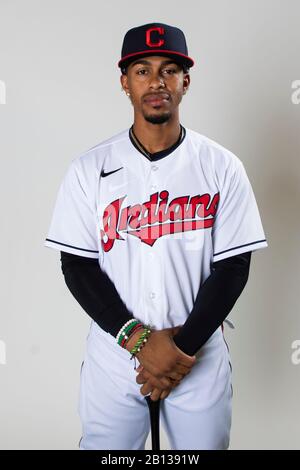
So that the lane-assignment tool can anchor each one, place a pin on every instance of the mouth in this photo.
(157, 99)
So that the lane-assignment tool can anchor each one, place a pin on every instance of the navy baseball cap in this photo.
(155, 39)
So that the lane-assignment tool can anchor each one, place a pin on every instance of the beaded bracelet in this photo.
(133, 320)
(126, 332)
(126, 329)
(134, 330)
(141, 341)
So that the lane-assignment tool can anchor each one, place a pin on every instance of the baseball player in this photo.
(156, 226)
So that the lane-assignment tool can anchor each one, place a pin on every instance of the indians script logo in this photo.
(157, 217)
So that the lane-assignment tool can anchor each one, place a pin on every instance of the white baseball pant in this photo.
(114, 413)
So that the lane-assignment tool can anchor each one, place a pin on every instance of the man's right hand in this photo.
(160, 355)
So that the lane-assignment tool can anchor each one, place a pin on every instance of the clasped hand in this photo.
(162, 364)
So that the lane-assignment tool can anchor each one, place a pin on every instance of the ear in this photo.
(186, 82)
(124, 83)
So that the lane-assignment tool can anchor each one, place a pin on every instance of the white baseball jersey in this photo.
(156, 227)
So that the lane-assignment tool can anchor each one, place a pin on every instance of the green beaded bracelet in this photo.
(140, 342)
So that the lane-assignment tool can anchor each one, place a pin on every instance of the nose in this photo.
(157, 81)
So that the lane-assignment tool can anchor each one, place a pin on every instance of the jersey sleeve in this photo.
(73, 226)
(237, 227)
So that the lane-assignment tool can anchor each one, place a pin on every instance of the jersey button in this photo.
(153, 187)
(152, 295)
(154, 168)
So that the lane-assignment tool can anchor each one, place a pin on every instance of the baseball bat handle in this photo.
(154, 408)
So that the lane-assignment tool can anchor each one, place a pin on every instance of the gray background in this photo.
(58, 60)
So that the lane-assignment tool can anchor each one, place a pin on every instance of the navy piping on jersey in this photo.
(240, 246)
(71, 246)
(156, 155)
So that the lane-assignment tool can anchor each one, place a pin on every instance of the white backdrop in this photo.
(60, 95)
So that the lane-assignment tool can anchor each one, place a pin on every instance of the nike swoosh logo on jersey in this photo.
(103, 174)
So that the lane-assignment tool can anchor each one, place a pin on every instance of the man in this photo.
(156, 226)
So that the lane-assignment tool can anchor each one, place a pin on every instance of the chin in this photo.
(156, 118)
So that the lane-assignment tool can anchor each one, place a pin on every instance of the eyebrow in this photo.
(146, 62)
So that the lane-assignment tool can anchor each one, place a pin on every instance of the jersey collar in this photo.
(156, 155)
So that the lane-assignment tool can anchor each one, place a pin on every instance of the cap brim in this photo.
(181, 58)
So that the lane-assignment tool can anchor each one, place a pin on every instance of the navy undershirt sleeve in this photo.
(95, 292)
(97, 295)
(215, 299)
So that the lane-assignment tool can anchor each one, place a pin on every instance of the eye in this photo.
(170, 71)
(141, 70)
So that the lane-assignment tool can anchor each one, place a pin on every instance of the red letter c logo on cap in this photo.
(148, 37)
